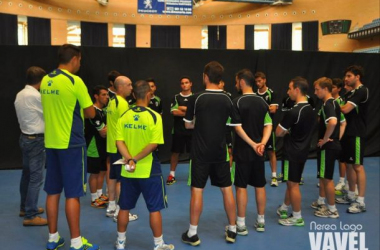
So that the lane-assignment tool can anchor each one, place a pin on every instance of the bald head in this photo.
(123, 86)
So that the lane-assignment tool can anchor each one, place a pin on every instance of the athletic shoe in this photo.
(230, 236)
(54, 245)
(193, 240)
(164, 247)
(318, 185)
(280, 178)
(260, 227)
(339, 186)
(282, 213)
(301, 181)
(110, 212)
(133, 217)
(36, 221)
(291, 221)
(239, 230)
(316, 205)
(120, 244)
(274, 182)
(98, 204)
(104, 198)
(326, 213)
(171, 180)
(345, 200)
(356, 208)
(116, 213)
(40, 210)
(86, 246)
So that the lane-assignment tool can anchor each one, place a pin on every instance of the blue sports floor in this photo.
(99, 229)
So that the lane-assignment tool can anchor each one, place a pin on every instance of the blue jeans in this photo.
(33, 163)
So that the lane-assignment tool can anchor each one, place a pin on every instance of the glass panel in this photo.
(118, 35)
(73, 32)
(261, 36)
(297, 36)
(22, 30)
(204, 37)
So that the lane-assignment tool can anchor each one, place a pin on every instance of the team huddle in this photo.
(123, 131)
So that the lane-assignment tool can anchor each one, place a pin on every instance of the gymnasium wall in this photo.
(167, 66)
(234, 15)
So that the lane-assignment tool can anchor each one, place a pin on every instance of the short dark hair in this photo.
(140, 89)
(247, 76)
(337, 82)
(151, 79)
(324, 82)
(214, 71)
(112, 75)
(66, 52)
(300, 83)
(97, 88)
(356, 70)
(34, 75)
(260, 74)
(185, 77)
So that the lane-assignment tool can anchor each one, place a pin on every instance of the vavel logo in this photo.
(336, 237)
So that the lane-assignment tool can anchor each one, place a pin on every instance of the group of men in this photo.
(124, 131)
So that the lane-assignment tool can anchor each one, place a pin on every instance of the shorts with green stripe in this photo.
(326, 163)
(292, 170)
(352, 150)
(271, 144)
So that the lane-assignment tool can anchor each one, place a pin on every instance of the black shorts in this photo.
(180, 142)
(326, 163)
(115, 170)
(219, 173)
(292, 171)
(271, 144)
(250, 173)
(353, 150)
(95, 165)
(229, 139)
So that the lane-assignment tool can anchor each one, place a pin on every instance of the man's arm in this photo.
(346, 108)
(123, 150)
(240, 131)
(89, 112)
(273, 108)
(266, 134)
(329, 130)
(342, 129)
(281, 131)
(181, 111)
(189, 124)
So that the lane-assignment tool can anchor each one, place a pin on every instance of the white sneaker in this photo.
(133, 217)
(339, 186)
(110, 212)
(356, 207)
(120, 244)
(163, 247)
(116, 213)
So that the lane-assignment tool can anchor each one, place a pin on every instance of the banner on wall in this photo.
(167, 7)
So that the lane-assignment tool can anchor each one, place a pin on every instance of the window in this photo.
(22, 30)
(297, 36)
(118, 35)
(204, 44)
(73, 32)
(261, 37)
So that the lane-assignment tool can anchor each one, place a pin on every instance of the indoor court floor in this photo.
(317, 234)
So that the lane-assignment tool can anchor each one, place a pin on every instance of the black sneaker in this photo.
(230, 236)
(193, 240)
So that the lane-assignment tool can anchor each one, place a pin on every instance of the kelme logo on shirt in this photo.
(136, 117)
(50, 82)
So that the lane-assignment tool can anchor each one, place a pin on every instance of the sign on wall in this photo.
(167, 7)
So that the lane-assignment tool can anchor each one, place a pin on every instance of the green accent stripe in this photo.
(357, 151)
(83, 172)
(164, 196)
(233, 172)
(322, 164)
(189, 177)
(286, 170)
(274, 141)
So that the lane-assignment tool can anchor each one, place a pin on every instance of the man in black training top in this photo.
(253, 126)
(268, 95)
(155, 102)
(296, 126)
(353, 143)
(207, 112)
(181, 137)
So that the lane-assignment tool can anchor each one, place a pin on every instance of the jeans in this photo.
(33, 163)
